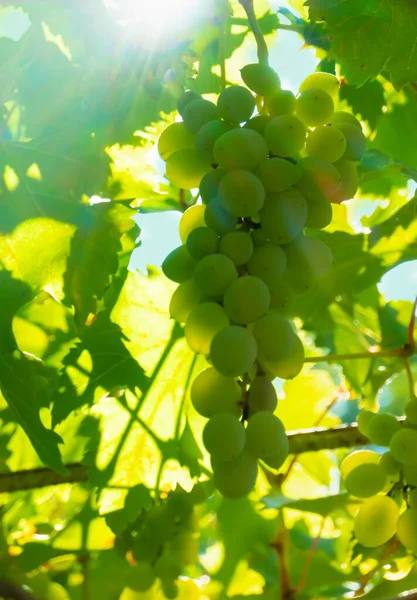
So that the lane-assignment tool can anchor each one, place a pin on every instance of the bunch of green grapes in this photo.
(265, 181)
(387, 482)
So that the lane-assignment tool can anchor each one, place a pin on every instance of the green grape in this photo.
(212, 393)
(389, 465)
(348, 172)
(278, 174)
(240, 149)
(381, 428)
(407, 529)
(356, 458)
(355, 141)
(285, 135)
(186, 168)
(410, 473)
(246, 300)
(363, 419)
(403, 446)
(169, 589)
(199, 112)
(288, 367)
(284, 215)
(326, 142)
(280, 103)
(192, 218)
(236, 478)
(218, 218)
(241, 193)
(411, 411)
(342, 116)
(179, 265)
(282, 296)
(258, 123)
(185, 298)
(167, 567)
(55, 592)
(412, 498)
(236, 104)
(185, 99)
(322, 81)
(267, 262)
(209, 185)
(141, 577)
(262, 395)
(266, 437)
(144, 549)
(175, 137)
(238, 246)
(307, 259)
(184, 546)
(233, 351)
(202, 325)
(214, 274)
(319, 182)
(274, 337)
(261, 79)
(259, 237)
(208, 135)
(365, 480)
(224, 437)
(375, 522)
(314, 107)
(202, 242)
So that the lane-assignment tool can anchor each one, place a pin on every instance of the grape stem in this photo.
(404, 351)
(256, 30)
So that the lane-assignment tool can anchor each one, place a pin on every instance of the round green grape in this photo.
(258, 237)
(266, 437)
(363, 419)
(282, 296)
(365, 480)
(407, 529)
(307, 259)
(280, 103)
(179, 265)
(167, 567)
(218, 218)
(285, 136)
(261, 79)
(381, 428)
(185, 298)
(288, 367)
(199, 112)
(258, 123)
(236, 478)
(278, 174)
(192, 218)
(175, 137)
(238, 246)
(224, 437)
(246, 300)
(411, 410)
(241, 193)
(355, 141)
(202, 325)
(141, 577)
(262, 395)
(240, 149)
(322, 81)
(284, 215)
(209, 185)
(403, 446)
(56, 591)
(389, 465)
(214, 274)
(201, 242)
(274, 337)
(207, 136)
(348, 172)
(410, 473)
(356, 458)
(185, 547)
(186, 168)
(326, 142)
(169, 589)
(375, 522)
(314, 107)
(322, 176)
(213, 393)
(185, 99)
(267, 262)
(343, 116)
(233, 351)
(236, 104)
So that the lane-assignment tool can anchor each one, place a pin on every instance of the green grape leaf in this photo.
(320, 506)
(137, 499)
(13, 295)
(366, 101)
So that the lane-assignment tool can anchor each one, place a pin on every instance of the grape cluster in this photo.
(387, 482)
(264, 180)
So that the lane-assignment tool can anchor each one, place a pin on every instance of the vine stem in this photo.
(309, 559)
(410, 377)
(256, 30)
(403, 352)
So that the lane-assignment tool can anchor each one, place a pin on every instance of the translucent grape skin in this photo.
(267, 262)
(282, 296)
(201, 242)
(207, 136)
(192, 218)
(307, 259)
(246, 300)
(185, 98)
(224, 437)
(278, 174)
(411, 410)
(209, 185)
(233, 351)
(363, 419)
(407, 529)
(202, 325)
(179, 265)
(284, 215)
(262, 395)
(261, 79)
(403, 446)
(355, 141)
(381, 428)
(375, 522)
(141, 577)
(198, 112)
(240, 149)
(365, 480)
(327, 143)
(410, 473)
(280, 103)
(218, 218)
(348, 172)
(318, 184)
(258, 123)
(288, 367)
(186, 168)
(285, 136)
(323, 81)
(274, 337)
(266, 438)
(241, 193)
(389, 465)
(175, 137)
(356, 458)
(213, 274)
(213, 393)
(236, 478)
(314, 107)
(342, 116)
(185, 298)
(238, 246)
(236, 104)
